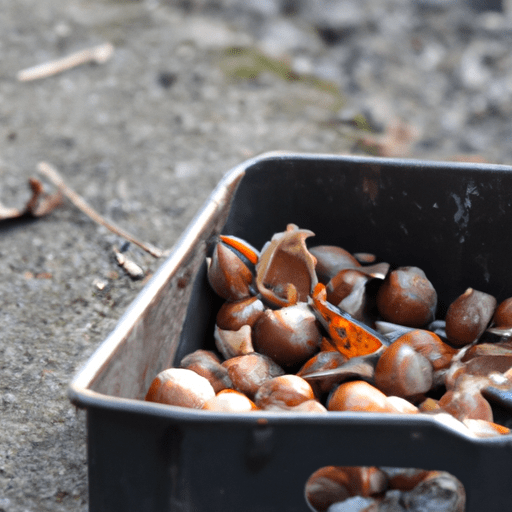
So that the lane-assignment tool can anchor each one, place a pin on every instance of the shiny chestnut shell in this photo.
(230, 400)
(228, 275)
(208, 365)
(289, 336)
(407, 297)
(330, 259)
(233, 315)
(468, 316)
(249, 372)
(503, 314)
(430, 345)
(283, 392)
(401, 371)
(181, 387)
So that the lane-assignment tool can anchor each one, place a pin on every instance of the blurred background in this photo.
(194, 87)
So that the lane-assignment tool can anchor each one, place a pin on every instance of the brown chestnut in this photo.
(289, 336)
(228, 275)
(466, 400)
(207, 364)
(233, 315)
(181, 387)
(332, 484)
(482, 428)
(343, 283)
(233, 343)
(250, 371)
(439, 488)
(404, 479)
(230, 400)
(330, 259)
(503, 314)
(407, 297)
(360, 396)
(309, 406)
(403, 372)
(430, 345)
(283, 392)
(468, 316)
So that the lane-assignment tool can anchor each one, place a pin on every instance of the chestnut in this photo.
(468, 316)
(207, 364)
(430, 345)
(233, 343)
(347, 290)
(482, 428)
(289, 336)
(481, 366)
(311, 406)
(250, 371)
(181, 387)
(405, 479)
(230, 400)
(332, 484)
(403, 372)
(228, 275)
(233, 315)
(360, 396)
(400, 405)
(440, 489)
(407, 297)
(343, 283)
(330, 259)
(466, 401)
(283, 392)
(503, 314)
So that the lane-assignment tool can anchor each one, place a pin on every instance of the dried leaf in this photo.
(39, 204)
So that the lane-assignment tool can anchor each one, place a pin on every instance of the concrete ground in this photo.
(143, 138)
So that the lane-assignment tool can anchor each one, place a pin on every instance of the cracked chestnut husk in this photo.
(285, 272)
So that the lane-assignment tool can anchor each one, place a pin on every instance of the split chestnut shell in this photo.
(285, 273)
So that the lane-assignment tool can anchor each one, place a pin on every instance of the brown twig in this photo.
(39, 204)
(52, 174)
(98, 54)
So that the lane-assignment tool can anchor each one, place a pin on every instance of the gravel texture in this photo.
(195, 87)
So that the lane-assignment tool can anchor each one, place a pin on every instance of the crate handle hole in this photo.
(362, 488)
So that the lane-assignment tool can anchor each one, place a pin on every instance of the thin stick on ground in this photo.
(52, 174)
(97, 54)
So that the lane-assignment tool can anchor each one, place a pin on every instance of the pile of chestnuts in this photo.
(320, 329)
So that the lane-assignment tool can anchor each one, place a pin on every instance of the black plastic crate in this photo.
(453, 220)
